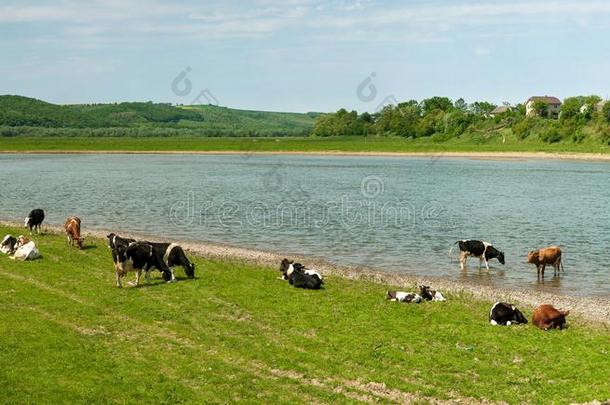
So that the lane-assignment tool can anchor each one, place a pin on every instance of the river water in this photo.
(391, 213)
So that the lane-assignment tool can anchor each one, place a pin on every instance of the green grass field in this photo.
(345, 144)
(236, 333)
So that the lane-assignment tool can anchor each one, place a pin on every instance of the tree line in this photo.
(441, 118)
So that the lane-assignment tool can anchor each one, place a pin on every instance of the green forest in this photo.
(582, 119)
(27, 116)
(441, 119)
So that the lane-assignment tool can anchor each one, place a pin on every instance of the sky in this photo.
(301, 55)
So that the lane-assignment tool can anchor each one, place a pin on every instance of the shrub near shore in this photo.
(237, 333)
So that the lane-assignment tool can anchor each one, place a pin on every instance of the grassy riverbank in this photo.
(237, 333)
(308, 144)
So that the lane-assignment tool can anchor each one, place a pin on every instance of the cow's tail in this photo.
(561, 264)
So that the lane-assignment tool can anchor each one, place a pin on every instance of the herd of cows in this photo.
(130, 255)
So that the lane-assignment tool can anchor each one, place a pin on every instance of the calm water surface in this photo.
(396, 214)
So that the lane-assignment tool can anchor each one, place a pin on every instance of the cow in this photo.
(34, 220)
(430, 295)
(72, 229)
(401, 296)
(477, 248)
(8, 245)
(173, 255)
(115, 241)
(27, 251)
(288, 266)
(548, 317)
(297, 276)
(138, 257)
(502, 313)
(541, 257)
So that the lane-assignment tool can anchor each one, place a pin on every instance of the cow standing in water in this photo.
(477, 248)
(542, 257)
(72, 229)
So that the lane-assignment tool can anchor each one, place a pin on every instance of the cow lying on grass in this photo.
(8, 245)
(430, 295)
(502, 313)
(300, 277)
(19, 248)
(548, 317)
(542, 257)
(402, 296)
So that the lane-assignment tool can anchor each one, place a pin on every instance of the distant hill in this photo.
(27, 116)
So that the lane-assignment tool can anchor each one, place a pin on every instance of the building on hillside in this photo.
(499, 110)
(553, 106)
(600, 106)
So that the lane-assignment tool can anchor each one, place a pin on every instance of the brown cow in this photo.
(542, 257)
(72, 228)
(548, 317)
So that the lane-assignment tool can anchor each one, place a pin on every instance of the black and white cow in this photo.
(299, 277)
(477, 248)
(288, 266)
(8, 245)
(502, 313)
(34, 220)
(173, 255)
(430, 295)
(402, 296)
(115, 241)
(138, 257)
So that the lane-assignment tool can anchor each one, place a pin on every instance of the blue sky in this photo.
(300, 55)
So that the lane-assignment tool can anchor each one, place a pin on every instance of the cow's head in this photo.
(284, 265)
(190, 270)
(425, 292)
(79, 242)
(532, 256)
(501, 257)
(110, 238)
(26, 222)
(519, 318)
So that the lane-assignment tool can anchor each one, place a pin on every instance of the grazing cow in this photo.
(34, 220)
(430, 295)
(476, 248)
(548, 317)
(401, 296)
(72, 229)
(288, 266)
(173, 255)
(542, 257)
(27, 251)
(138, 257)
(115, 241)
(8, 245)
(502, 313)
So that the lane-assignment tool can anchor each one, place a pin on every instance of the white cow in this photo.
(26, 252)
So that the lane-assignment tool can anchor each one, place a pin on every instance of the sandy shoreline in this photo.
(594, 309)
(601, 157)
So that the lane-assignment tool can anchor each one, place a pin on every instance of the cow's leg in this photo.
(118, 278)
(480, 262)
(543, 267)
(463, 257)
(173, 279)
(486, 263)
(138, 274)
